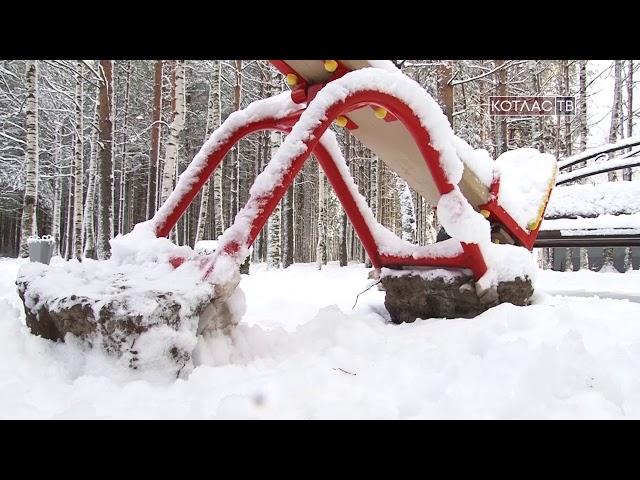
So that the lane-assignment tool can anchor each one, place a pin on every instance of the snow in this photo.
(479, 161)
(593, 200)
(129, 282)
(600, 231)
(302, 352)
(602, 222)
(526, 176)
(624, 161)
(460, 220)
(598, 150)
(206, 247)
(506, 262)
(44, 239)
(428, 273)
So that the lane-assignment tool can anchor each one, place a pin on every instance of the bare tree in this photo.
(78, 173)
(321, 246)
(156, 126)
(213, 122)
(615, 110)
(275, 254)
(90, 201)
(177, 124)
(105, 160)
(28, 225)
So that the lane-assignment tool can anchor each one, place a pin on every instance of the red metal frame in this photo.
(303, 92)
(471, 256)
(526, 238)
(163, 228)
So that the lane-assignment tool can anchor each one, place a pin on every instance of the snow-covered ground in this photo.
(302, 352)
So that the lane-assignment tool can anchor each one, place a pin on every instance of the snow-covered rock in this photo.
(135, 305)
(451, 293)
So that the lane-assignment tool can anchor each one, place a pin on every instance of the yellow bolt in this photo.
(496, 240)
(330, 65)
(485, 213)
(380, 112)
(342, 121)
(292, 79)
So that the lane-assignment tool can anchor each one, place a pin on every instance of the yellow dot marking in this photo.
(380, 112)
(330, 65)
(342, 121)
(292, 79)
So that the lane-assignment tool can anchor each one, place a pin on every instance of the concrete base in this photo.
(410, 296)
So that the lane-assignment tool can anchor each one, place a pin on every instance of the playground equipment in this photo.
(490, 210)
(387, 124)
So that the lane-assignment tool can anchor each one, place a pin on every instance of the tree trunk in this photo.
(502, 91)
(105, 161)
(89, 204)
(321, 246)
(57, 196)
(213, 122)
(28, 225)
(344, 260)
(68, 235)
(78, 173)
(156, 127)
(275, 254)
(287, 228)
(124, 163)
(627, 173)
(615, 111)
(235, 163)
(177, 124)
(445, 89)
(584, 133)
(407, 211)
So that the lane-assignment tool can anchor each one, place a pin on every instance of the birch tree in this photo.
(78, 173)
(28, 225)
(321, 246)
(628, 172)
(615, 111)
(57, 195)
(275, 254)
(90, 201)
(177, 124)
